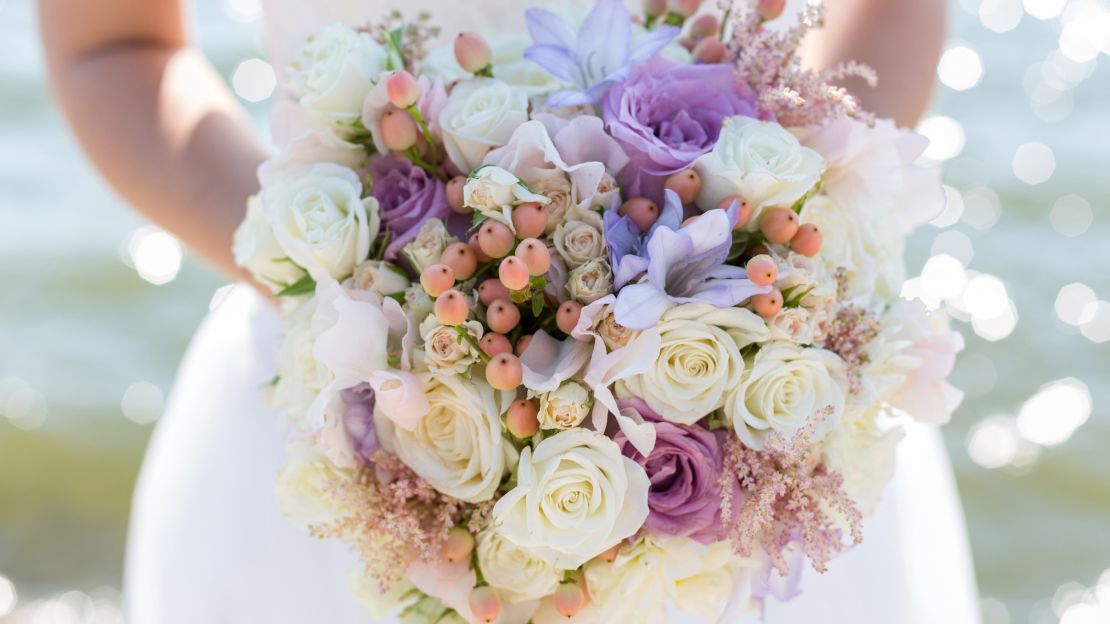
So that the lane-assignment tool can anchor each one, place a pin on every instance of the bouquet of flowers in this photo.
(599, 323)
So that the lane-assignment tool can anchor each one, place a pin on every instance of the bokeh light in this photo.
(1034, 163)
(1055, 412)
(946, 137)
(254, 80)
(8, 598)
(21, 404)
(142, 403)
(1071, 216)
(943, 277)
(1072, 301)
(243, 11)
(155, 254)
(994, 442)
(960, 68)
(982, 207)
(1000, 15)
(1094, 322)
(1044, 9)
(956, 244)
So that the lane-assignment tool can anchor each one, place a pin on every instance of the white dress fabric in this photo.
(207, 544)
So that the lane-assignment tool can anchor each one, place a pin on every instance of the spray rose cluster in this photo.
(584, 339)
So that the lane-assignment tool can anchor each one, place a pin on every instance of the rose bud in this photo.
(398, 131)
(403, 89)
(504, 372)
(455, 197)
(472, 52)
(778, 225)
(437, 279)
(451, 308)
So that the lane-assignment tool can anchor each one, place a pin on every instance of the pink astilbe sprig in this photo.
(769, 61)
(394, 517)
(849, 333)
(415, 35)
(783, 495)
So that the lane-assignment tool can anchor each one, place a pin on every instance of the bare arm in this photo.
(900, 39)
(154, 116)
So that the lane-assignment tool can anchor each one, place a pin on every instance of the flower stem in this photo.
(414, 110)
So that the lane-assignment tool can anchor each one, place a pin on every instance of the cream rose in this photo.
(427, 248)
(335, 70)
(565, 407)
(302, 490)
(321, 220)
(590, 281)
(300, 376)
(457, 446)
(784, 387)
(576, 497)
(257, 250)
(480, 114)
(445, 352)
(863, 453)
(557, 189)
(699, 361)
(518, 576)
(493, 192)
(579, 239)
(759, 161)
(378, 276)
(795, 325)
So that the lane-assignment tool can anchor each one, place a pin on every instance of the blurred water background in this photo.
(96, 309)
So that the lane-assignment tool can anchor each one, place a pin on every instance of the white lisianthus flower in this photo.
(493, 192)
(786, 385)
(380, 277)
(579, 239)
(257, 250)
(576, 497)
(699, 361)
(863, 453)
(335, 70)
(445, 352)
(517, 575)
(302, 492)
(870, 251)
(480, 114)
(427, 248)
(590, 281)
(320, 219)
(565, 407)
(457, 446)
(759, 161)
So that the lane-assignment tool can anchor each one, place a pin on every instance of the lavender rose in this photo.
(667, 114)
(684, 469)
(407, 196)
(359, 420)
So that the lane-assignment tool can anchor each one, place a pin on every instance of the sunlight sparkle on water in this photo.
(996, 328)
(142, 403)
(1034, 163)
(943, 277)
(1000, 15)
(254, 80)
(1071, 216)
(1055, 412)
(960, 68)
(1044, 9)
(155, 254)
(994, 442)
(1094, 322)
(946, 137)
(1071, 302)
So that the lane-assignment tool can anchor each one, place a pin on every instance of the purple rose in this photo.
(359, 420)
(684, 469)
(408, 197)
(667, 114)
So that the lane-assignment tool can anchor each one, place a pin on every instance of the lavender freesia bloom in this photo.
(667, 114)
(684, 469)
(600, 55)
(359, 420)
(686, 265)
(627, 246)
(408, 197)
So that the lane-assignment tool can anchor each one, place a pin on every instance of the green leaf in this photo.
(304, 286)
(537, 303)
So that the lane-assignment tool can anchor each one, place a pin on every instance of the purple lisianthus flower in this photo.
(628, 246)
(684, 470)
(686, 265)
(596, 57)
(667, 114)
(408, 197)
(359, 420)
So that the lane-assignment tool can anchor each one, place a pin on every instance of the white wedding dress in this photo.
(208, 546)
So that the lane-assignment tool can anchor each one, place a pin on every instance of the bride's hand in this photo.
(154, 116)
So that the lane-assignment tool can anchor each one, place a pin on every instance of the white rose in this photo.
(300, 376)
(480, 114)
(445, 352)
(795, 325)
(590, 281)
(257, 251)
(302, 491)
(378, 276)
(335, 70)
(565, 407)
(759, 161)
(863, 453)
(457, 446)
(321, 220)
(557, 189)
(576, 497)
(786, 385)
(699, 361)
(517, 575)
(493, 192)
(580, 240)
(869, 250)
(427, 248)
